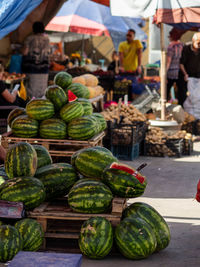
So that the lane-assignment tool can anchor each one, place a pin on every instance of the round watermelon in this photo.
(57, 179)
(40, 109)
(21, 160)
(96, 238)
(63, 79)
(100, 148)
(31, 232)
(71, 111)
(91, 162)
(56, 95)
(28, 190)
(101, 120)
(87, 106)
(80, 90)
(53, 129)
(10, 242)
(43, 156)
(153, 218)
(14, 114)
(90, 196)
(83, 128)
(123, 183)
(135, 239)
(24, 126)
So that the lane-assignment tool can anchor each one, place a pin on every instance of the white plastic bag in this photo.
(192, 102)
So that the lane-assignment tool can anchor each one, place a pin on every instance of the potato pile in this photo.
(129, 112)
(158, 142)
(188, 123)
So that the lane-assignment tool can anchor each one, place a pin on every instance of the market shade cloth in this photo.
(182, 14)
(13, 13)
(103, 2)
(92, 15)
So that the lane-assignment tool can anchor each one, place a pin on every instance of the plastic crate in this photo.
(124, 152)
(187, 147)
(121, 88)
(124, 134)
(170, 148)
(142, 128)
(144, 101)
(176, 146)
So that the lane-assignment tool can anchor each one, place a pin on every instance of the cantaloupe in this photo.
(79, 79)
(90, 79)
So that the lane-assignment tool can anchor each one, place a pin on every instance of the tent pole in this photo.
(163, 74)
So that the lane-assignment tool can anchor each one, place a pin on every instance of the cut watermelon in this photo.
(128, 169)
(71, 96)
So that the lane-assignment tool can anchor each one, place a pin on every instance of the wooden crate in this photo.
(58, 148)
(62, 225)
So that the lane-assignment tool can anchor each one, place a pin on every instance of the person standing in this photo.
(190, 67)
(174, 75)
(130, 53)
(36, 54)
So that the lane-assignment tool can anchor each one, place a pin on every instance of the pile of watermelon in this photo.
(91, 181)
(65, 112)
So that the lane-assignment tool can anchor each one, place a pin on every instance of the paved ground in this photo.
(171, 190)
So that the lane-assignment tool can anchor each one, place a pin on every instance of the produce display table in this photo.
(61, 148)
(60, 222)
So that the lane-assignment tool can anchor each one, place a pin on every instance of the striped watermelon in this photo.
(28, 190)
(135, 239)
(10, 242)
(21, 160)
(40, 109)
(100, 148)
(82, 128)
(97, 122)
(63, 79)
(87, 106)
(43, 156)
(24, 126)
(56, 95)
(96, 238)
(90, 196)
(101, 120)
(153, 218)
(71, 111)
(53, 129)
(91, 162)
(80, 90)
(124, 184)
(14, 114)
(57, 178)
(31, 232)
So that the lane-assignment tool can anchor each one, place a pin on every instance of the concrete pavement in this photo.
(171, 190)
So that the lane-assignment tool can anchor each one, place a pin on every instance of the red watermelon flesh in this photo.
(126, 168)
(71, 96)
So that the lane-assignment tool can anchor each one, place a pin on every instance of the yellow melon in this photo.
(79, 79)
(92, 91)
(99, 90)
(90, 80)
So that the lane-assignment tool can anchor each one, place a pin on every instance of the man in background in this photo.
(130, 53)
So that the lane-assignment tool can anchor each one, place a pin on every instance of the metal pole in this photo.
(163, 74)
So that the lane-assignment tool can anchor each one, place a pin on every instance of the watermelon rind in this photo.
(96, 237)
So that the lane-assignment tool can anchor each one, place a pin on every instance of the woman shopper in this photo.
(174, 75)
(35, 64)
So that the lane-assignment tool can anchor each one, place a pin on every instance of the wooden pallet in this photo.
(60, 222)
(59, 148)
